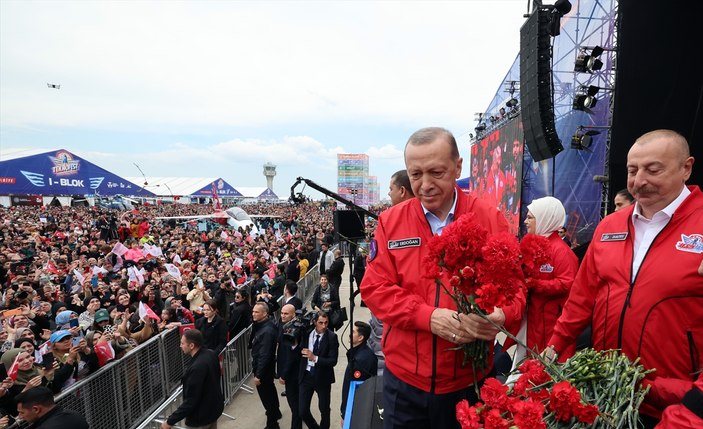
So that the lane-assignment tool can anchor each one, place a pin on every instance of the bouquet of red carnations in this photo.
(483, 272)
(590, 390)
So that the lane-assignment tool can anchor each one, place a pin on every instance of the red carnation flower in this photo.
(495, 394)
(494, 420)
(528, 414)
(587, 413)
(467, 415)
(564, 400)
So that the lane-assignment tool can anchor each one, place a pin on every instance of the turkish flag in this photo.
(104, 352)
(14, 368)
(146, 311)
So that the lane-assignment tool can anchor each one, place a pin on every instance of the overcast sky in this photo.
(218, 88)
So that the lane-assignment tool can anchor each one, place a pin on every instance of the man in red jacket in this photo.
(424, 378)
(639, 284)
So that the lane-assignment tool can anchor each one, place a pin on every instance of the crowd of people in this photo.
(77, 282)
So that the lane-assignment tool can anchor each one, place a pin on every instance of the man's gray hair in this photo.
(431, 134)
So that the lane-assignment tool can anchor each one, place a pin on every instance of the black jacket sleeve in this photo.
(193, 390)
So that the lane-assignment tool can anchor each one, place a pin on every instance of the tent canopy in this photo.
(59, 172)
(186, 186)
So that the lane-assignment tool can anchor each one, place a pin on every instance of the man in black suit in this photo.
(264, 337)
(202, 403)
(289, 295)
(320, 352)
(363, 363)
(334, 272)
(288, 365)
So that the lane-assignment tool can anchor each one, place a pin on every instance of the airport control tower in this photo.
(269, 172)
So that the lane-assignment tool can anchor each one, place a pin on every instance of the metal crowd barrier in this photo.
(124, 392)
(138, 390)
(236, 365)
(235, 358)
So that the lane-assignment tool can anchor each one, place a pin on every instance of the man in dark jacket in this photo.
(37, 406)
(287, 364)
(334, 272)
(203, 402)
(363, 363)
(264, 337)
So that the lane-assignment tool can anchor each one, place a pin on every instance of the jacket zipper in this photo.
(632, 282)
(434, 337)
(693, 352)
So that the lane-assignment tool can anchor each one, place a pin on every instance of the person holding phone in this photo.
(28, 376)
(73, 361)
(197, 297)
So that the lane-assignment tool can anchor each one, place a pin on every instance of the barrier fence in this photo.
(138, 390)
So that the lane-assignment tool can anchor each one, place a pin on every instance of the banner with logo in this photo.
(61, 173)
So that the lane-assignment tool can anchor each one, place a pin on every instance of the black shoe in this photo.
(275, 426)
(283, 393)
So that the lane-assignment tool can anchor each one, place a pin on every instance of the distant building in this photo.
(352, 177)
(374, 190)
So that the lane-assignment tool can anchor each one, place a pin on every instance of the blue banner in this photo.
(61, 173)
(223, 189)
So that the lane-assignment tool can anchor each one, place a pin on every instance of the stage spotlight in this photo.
(586, 101)
(511, 103)
(560, 8)
(480, 127)
(502, 111)
(588, 63)
(581, 140)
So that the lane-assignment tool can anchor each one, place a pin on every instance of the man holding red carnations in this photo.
(424, 334)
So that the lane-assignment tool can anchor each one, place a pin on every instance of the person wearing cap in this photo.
(74, 362)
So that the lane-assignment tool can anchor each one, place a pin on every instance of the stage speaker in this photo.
(349, 224)
(536, 98)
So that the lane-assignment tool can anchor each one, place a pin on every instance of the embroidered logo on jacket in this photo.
(403, 243)
(614, 236)
(690, 243)
(546, 268)
(373, 250)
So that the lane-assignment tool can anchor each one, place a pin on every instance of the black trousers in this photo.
(408, 407)
(269, 399)
(307, 388)
(293, 398)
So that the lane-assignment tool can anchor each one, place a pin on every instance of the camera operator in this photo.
(224, 297)
(289, 350)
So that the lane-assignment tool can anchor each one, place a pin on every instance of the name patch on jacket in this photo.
(546, 268)
(690, 243)
(403, 243)
(614, 236)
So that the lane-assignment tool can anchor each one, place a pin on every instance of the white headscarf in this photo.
(549, 215)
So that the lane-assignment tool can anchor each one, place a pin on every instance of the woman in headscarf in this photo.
(549, 266)
(28, 376)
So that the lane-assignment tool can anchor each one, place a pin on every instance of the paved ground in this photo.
(246, 408)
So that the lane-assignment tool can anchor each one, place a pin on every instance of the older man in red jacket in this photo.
(424, 378)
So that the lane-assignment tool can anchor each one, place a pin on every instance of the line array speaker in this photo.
(536, 87)
(349, 224)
